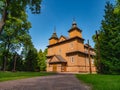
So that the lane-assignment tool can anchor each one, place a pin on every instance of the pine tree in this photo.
(42, 60)
(31, 60)
(109, 40)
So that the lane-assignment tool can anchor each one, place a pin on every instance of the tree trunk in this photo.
(4, 16)
(6, 56)
(90, 69)
(15, 58)
(4, 64)
(2, 22)
(1, 26)
(98, 52)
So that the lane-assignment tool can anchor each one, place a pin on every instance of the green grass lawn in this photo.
(5, 76)
(101, 82)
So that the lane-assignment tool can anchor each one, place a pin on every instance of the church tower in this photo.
(75, 31)
(53, 39)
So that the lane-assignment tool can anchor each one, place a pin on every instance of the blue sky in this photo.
(60, 13)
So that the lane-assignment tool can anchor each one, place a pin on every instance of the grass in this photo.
(5, 76)
(101, 82)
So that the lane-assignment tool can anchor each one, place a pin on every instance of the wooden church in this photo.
(70, 54)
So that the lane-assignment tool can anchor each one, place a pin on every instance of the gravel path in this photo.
(55, 82)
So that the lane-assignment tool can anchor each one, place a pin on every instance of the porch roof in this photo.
(59, 58)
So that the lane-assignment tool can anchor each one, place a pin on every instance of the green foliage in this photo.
(19, 63)
(109, 40)
(15, 33)
(101, 82)
(9, 14)
(117, 9)
(42, 60)
(31, 60)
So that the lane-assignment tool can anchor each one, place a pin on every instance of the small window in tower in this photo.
(71, 45)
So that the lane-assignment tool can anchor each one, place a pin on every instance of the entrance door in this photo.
(54, 67)
(63, 69)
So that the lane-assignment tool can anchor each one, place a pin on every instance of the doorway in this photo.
(63, 68)
(54, 67)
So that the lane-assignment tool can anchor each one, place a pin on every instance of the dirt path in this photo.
(55, 82)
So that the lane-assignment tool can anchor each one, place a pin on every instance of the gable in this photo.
(54, 59)
(62, 38)
(57, 59)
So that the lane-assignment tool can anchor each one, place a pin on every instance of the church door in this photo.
(54, 67)
(63, 69)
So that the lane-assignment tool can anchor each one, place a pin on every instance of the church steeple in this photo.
(74, 24)
(75, 31)
(54, 35)
(54, 38)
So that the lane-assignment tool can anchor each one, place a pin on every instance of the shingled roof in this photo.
(60, 58)
(74, 26)
(54, 36)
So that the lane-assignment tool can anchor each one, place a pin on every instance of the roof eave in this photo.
(66, 41)
(74, 29)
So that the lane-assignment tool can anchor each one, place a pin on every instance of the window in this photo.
(72, 59)
(92, 61)
(71, 45)
(86, 50)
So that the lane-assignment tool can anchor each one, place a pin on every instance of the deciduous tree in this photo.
(117, 8)
(13, 8)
